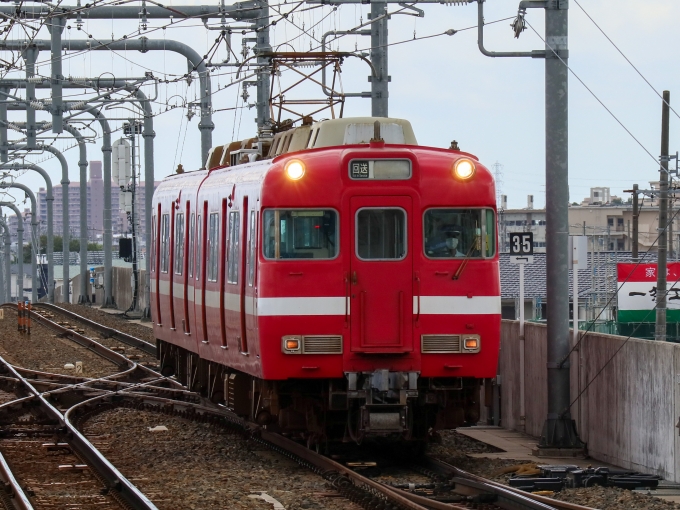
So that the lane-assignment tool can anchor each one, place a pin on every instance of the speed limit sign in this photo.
(521, 247)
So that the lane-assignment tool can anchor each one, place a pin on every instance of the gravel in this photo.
(455, 447)
(43, 350)
(199, 466)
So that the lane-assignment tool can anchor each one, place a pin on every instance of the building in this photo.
(606, 220)
(609, 225)
(521, 220)
(95, 209)
(13, 224)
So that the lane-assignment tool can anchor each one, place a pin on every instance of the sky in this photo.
(493, 107)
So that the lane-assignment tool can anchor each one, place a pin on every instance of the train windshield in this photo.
(451, 233)
(300, 234)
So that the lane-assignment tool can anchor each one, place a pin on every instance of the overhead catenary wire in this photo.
(593, 94)
(624, 56)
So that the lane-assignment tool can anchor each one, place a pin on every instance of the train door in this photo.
(381, 274)
(242, 281)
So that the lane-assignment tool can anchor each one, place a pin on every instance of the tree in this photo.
(27, 253)
(73, 245)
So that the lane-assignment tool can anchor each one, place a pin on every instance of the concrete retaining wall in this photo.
(122, 289)
(628, 413)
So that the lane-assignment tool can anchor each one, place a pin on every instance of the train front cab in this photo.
(410, 289)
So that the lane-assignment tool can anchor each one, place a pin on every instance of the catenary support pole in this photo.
(143, 45)
(3, 125)
(662, 250)
(559, 429)
(8, 263)
(55, 25)
(35, 238)
(66, 238)
(30, 56)
(83, 298)
(20, 248)
(379, 83)
(262, 45)
(107, 237)
(49, 202)
(148, 135)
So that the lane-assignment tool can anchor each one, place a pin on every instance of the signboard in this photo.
(578, 252)
(521, 247)
(637, 292)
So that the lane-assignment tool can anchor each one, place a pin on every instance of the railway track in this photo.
(70, 401)
(105, 331)
(53, 395)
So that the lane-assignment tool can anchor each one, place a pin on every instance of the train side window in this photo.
(451, 233)
(199, 236)
(300, 234)
(165, 234)
(381, 234)
(232, 272)
(152, 258)
(251, 249)
(191, 244)
(179, 243)
(213, 234)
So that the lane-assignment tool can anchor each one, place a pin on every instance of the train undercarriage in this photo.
(375, 406)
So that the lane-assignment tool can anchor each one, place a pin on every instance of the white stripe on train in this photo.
(322, 305)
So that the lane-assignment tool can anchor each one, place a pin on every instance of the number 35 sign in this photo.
(521, 247)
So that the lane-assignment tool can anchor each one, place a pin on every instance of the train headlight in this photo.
(292, 344)
(295, 169)
(471, 343)
(464, 169)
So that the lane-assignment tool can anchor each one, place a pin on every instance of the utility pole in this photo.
(636, 217)
(660, 331)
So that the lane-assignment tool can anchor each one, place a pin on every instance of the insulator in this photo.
(35, 79)
(37, 105)
(78, 106)
(457, 2)
(14, 127)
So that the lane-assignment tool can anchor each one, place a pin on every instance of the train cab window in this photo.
(232, 273)
(179, 243)
(213, 245)
(450, 233)
(381, 234)
(192, 226)
(165, 250)
(199, 237)
(300, 234)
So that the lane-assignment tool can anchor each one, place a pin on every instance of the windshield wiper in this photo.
(468, 255)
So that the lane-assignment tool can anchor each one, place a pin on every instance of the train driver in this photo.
(443, 240)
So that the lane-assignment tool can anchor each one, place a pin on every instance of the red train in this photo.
(337, 283)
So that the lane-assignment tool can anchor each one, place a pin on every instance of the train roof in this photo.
(325, 133)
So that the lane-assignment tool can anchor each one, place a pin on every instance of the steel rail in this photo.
(503, 491)
(109, 332)
(114, 478)
(17, 495)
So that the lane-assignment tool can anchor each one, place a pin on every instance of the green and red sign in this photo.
(637, 292)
